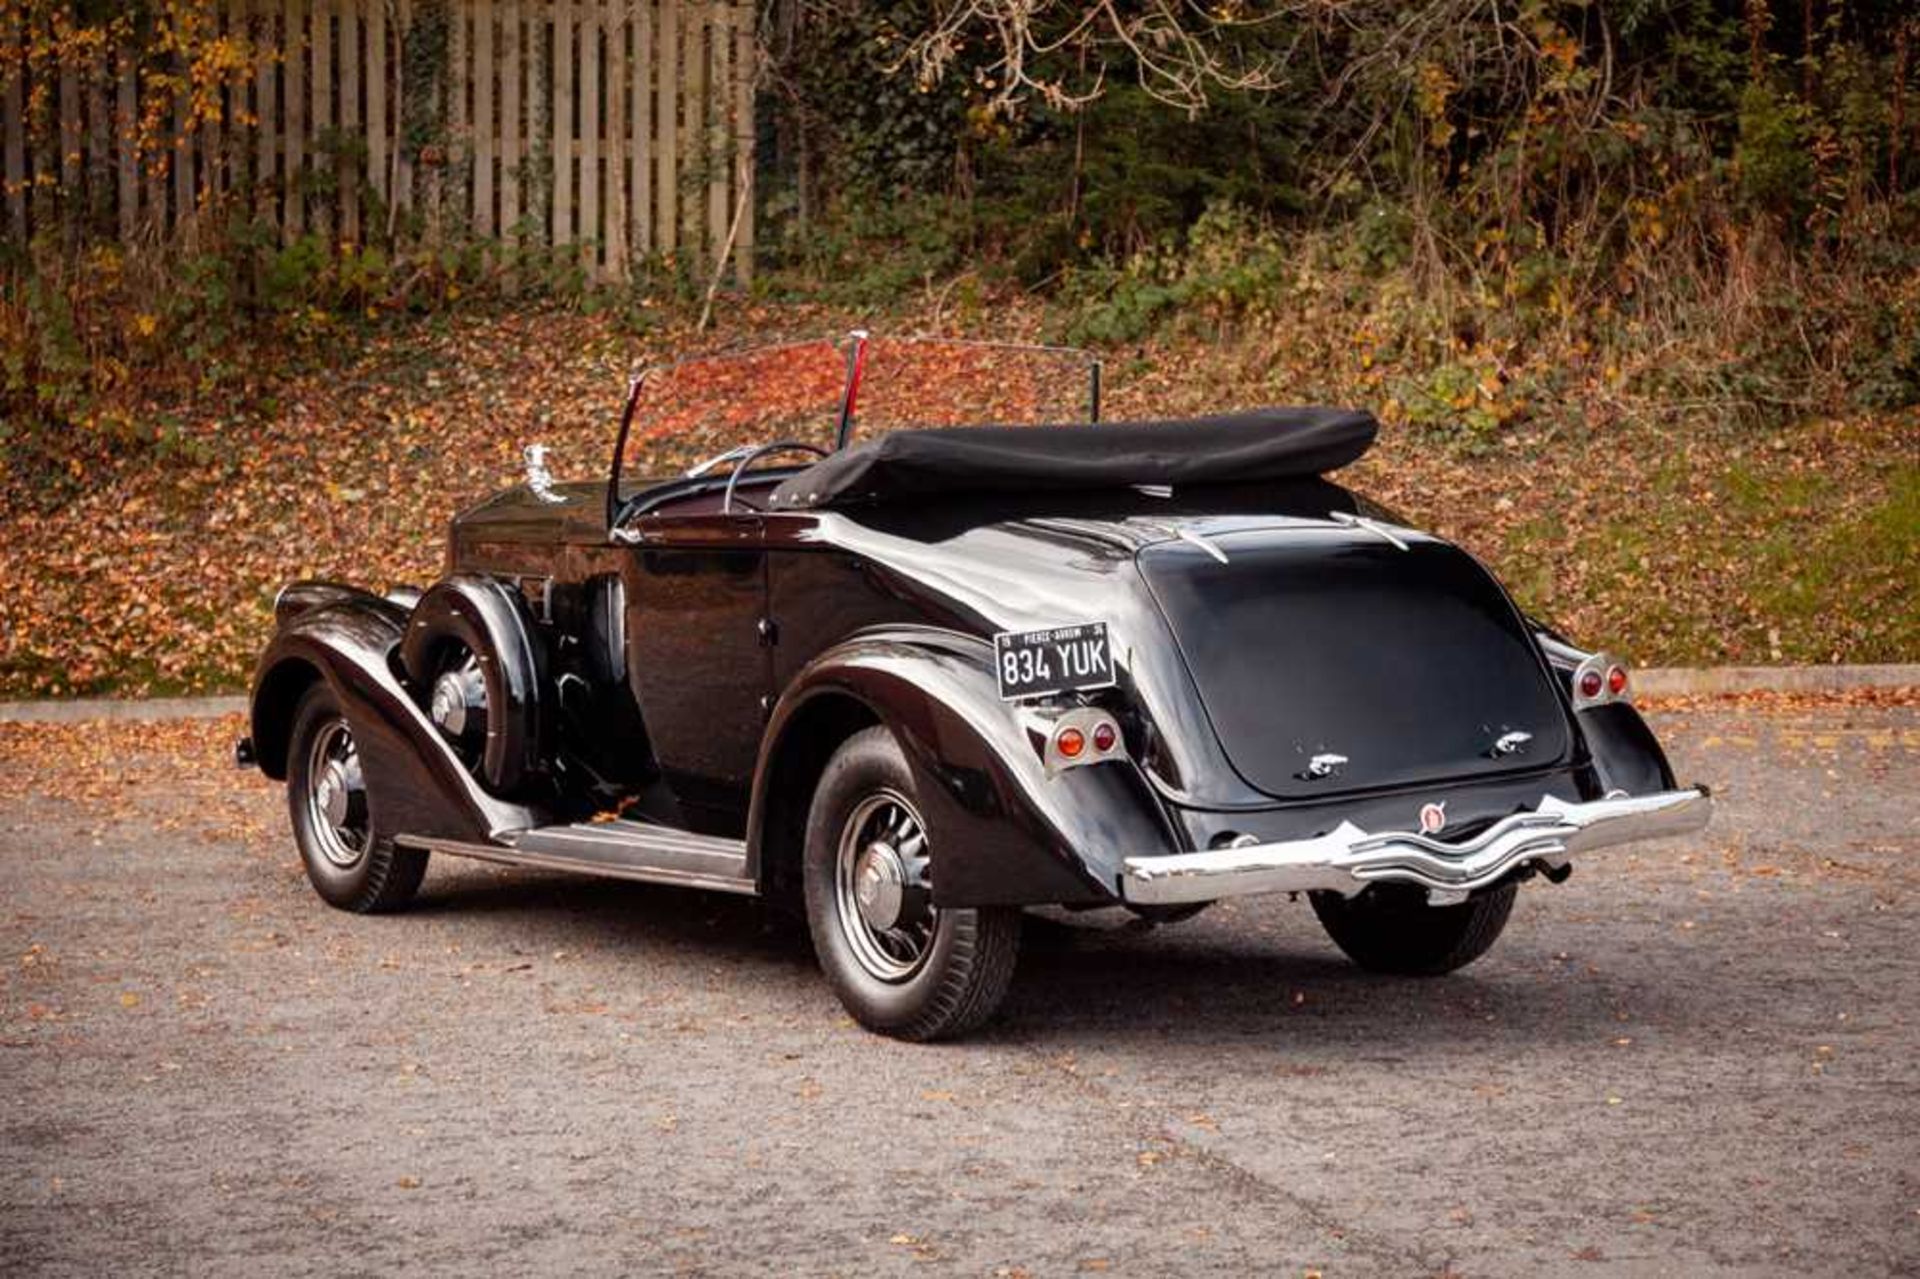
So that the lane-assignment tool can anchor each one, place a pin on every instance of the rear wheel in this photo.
(1390, 928)
(901, 966)
(350, 860)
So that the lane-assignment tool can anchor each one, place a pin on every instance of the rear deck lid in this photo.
(1316, 639)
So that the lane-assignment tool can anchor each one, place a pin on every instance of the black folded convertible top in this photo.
(1260, 444)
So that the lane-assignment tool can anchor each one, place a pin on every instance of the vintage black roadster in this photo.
(914, 684)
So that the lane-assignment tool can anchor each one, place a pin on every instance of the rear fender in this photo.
(1626, 755)
(1007, 833)
(415, 783)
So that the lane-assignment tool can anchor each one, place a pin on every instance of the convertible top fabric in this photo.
(1260, 444)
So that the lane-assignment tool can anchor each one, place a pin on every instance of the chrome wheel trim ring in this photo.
(880, 874)
(336, 796)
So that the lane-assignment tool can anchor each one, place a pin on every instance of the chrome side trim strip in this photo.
(1347, 859)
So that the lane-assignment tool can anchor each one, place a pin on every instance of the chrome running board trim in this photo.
(614, 850)
(1347, 859)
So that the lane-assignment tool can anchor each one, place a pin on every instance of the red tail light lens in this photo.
(1104, 738)
(1070, 743)
(1591, 683)
(1616, 680)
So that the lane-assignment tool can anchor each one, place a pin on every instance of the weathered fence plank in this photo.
(667, 121)
(379, 127)
(637, 116)
(320, 109)
(693, 104)
(266, 111)
(400, 158)
(743, 87)
(588, 203)
(485, 67)
(717, 145)
(351, 59)
(640, 146)
(512, 127)
(294, 117)
(619, 188)
(561, 213)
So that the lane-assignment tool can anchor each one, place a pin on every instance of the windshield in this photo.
(699, 409)
(772, 406)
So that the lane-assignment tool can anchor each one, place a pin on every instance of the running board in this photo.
(614, 850)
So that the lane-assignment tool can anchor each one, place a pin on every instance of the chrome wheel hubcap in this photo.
(337, 796)
(458, 706)
(879, 886)
(882, 890)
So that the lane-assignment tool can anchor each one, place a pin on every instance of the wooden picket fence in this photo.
(624, 127)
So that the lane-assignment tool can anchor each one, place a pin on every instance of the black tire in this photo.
(354, 865)
(1389, 928)
(954, 978)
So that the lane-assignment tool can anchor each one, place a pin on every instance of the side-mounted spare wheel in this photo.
(351, 859)
(900, 965)
(472, 657)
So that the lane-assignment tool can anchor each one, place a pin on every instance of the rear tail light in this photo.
(1082, 735)
(1599, 680)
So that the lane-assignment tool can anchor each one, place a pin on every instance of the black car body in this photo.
(703, 681)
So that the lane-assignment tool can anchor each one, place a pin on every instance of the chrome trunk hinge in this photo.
(1192, 538)
(1325, 765)
(1351, 520)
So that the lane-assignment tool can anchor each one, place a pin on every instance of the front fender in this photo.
(415, 784)
(1007, 834)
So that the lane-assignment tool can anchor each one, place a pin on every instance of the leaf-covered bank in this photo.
(155, 573)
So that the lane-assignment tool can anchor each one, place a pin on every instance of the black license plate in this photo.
(1034, 663)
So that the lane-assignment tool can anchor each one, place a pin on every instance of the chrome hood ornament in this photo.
(539, 478)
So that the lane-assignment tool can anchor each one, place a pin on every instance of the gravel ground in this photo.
(1696, 1058)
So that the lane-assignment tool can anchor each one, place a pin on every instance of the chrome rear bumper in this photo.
(1347, 859)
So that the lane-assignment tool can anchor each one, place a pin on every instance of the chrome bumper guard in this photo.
(1347, 859)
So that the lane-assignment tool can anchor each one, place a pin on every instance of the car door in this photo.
(697, 658)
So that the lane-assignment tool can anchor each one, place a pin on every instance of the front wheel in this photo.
(350, 860)
(901, 966)
(1390, 928)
